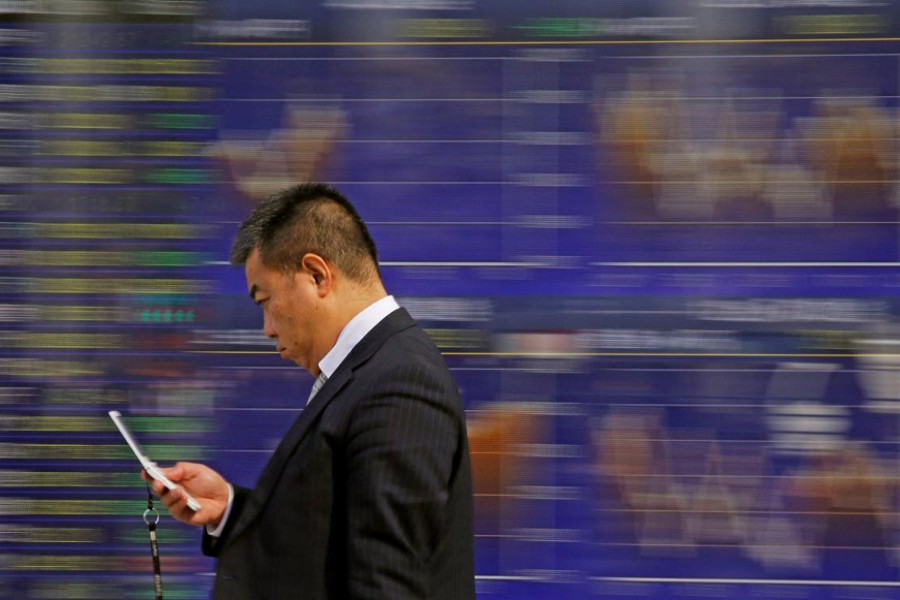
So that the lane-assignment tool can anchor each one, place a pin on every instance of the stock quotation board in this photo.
(657, 242)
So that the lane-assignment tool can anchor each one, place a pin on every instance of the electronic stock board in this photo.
(657, 242)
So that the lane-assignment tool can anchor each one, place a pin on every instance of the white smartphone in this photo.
(148, 464)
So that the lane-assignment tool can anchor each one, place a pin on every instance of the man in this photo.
(369, 494)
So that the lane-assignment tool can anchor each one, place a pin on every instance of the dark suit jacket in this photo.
(369, 494)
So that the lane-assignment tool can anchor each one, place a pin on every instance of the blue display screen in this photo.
(657, 243)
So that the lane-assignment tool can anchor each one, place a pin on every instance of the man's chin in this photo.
(282, 352)
(291, 359)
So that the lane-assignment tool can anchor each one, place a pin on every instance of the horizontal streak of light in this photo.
(509, 578)
(523, 265)
(822, 582)
(653, 57)
(380, 100)
(375, 58)
(739, 223)
(828, 265)
(753, 512)
(526, 42)
(691, 181)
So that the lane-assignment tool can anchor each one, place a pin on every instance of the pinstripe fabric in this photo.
(369, 494)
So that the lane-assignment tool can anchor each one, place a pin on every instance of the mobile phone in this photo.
(148, 464)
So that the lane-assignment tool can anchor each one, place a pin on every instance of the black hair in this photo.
(310, 217)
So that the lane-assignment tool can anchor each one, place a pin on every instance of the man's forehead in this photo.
(252, 272)
(256, 283)
(253, 258)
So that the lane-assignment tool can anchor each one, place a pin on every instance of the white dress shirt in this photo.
(354, 331)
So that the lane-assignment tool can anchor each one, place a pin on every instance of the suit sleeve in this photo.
(210, 545)
(402, 452)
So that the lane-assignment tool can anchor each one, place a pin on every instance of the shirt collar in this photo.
(354, 331)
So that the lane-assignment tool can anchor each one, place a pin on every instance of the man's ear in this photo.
(315, 267)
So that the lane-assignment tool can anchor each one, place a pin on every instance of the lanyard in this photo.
(151, 518)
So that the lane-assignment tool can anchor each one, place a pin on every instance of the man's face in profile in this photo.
(289, 303)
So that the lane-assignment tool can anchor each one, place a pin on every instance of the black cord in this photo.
(151, 518)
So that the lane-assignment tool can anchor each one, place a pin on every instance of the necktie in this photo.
(320, 381)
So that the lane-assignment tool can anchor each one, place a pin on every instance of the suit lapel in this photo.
(393, 323)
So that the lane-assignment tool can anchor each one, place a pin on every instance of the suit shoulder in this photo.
(412, 347)
(409, 353)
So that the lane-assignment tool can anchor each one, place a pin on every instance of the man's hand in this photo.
(208, 487)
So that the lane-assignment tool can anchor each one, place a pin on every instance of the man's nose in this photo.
(269, 328)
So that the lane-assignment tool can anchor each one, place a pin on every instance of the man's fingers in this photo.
(171, 498)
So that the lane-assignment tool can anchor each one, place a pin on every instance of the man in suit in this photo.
(369, 494)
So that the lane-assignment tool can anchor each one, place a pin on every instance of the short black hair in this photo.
(310, 217)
